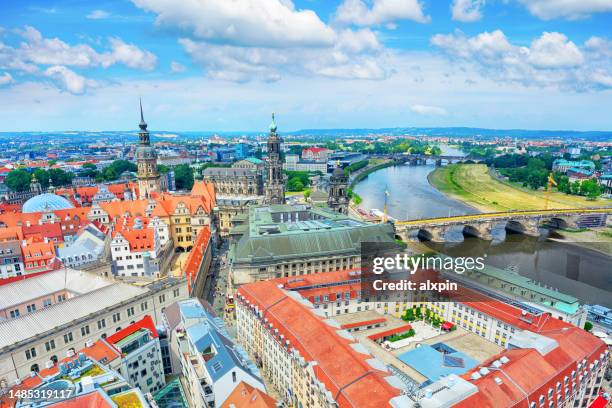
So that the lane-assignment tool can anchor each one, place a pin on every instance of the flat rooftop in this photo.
(437, 361)
(468, 343)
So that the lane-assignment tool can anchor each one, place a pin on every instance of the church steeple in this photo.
(146, 157)
(275, 184)
(143, 124)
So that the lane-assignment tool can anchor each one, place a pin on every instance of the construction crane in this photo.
(551, 182)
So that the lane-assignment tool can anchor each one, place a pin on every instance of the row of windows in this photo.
(101, 324)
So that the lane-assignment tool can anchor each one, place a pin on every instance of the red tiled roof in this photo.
(362, 323)
(345, 372)
(139, 239)
(531, 373)
(117, 209)
(52, 231)
(246, 396)
(194, 259)
(144, 323)
(401, 329)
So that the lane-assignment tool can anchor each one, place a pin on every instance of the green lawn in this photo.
(472, 184)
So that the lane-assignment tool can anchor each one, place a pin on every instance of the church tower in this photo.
(338, 191)
(35, 186)
(275, 184)
(146, 159)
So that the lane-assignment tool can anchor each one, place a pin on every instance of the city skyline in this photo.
(525, 64)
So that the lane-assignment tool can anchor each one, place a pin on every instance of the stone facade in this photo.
(338, 191)
(149, 180)
(275, 183)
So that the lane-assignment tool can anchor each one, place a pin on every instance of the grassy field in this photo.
(472, 184)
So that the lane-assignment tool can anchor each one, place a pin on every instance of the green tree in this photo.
(590, 188)
(18, 180)
(588, 326)
(183, 176)
(163, 169)
(89, 170)
(295, 184)
(60, 177)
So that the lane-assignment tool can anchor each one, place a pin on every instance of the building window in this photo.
(101, 324)
(46, 302)
(116, 317)
(31, 308)
(61, 298)
(84, 330)
(50, 345)
(30, 353)
(176, 292)
(130, 312)
(143, 306)
(14, 313)
(162, 298)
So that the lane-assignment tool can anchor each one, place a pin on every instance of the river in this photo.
(574, 270)
(410, 194)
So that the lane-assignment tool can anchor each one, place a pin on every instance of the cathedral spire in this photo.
(143, 124)
(273, 124)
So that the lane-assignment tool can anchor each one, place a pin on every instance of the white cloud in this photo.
(5, 79)
(553, 50)
(50, 57)
(356, 55)
(67, 79)
(428, 110)
(568, 9)
(256, 23)
(551, 59)
(129, 55)
(38, 50)
(599, 48)
(98, 15)
(382, 11)
(467, 11)
(176, 67)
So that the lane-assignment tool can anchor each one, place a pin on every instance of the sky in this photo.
(220, 65)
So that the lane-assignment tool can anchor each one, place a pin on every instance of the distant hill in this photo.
(461, 132)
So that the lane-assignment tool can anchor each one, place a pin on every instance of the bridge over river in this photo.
(421, 159)
(481, 225)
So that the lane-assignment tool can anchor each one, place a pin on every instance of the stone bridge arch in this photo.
(523, 226)
(480, 230)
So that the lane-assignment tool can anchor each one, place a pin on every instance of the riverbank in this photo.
(473, 184)
(371, 168)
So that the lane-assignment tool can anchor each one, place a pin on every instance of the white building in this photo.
(141, 362)
(294, 163)
(86, 247)
(213, 365)
(91, 312)
(134, 250)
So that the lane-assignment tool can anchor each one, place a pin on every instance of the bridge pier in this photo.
(528, 227)
(480, 230)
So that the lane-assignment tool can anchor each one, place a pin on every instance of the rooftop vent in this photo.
(475, 375)
(498, 381)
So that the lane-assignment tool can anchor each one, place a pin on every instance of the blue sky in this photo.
(220, 65)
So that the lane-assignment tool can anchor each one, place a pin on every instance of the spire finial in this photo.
(273, 124)
(143, 124)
